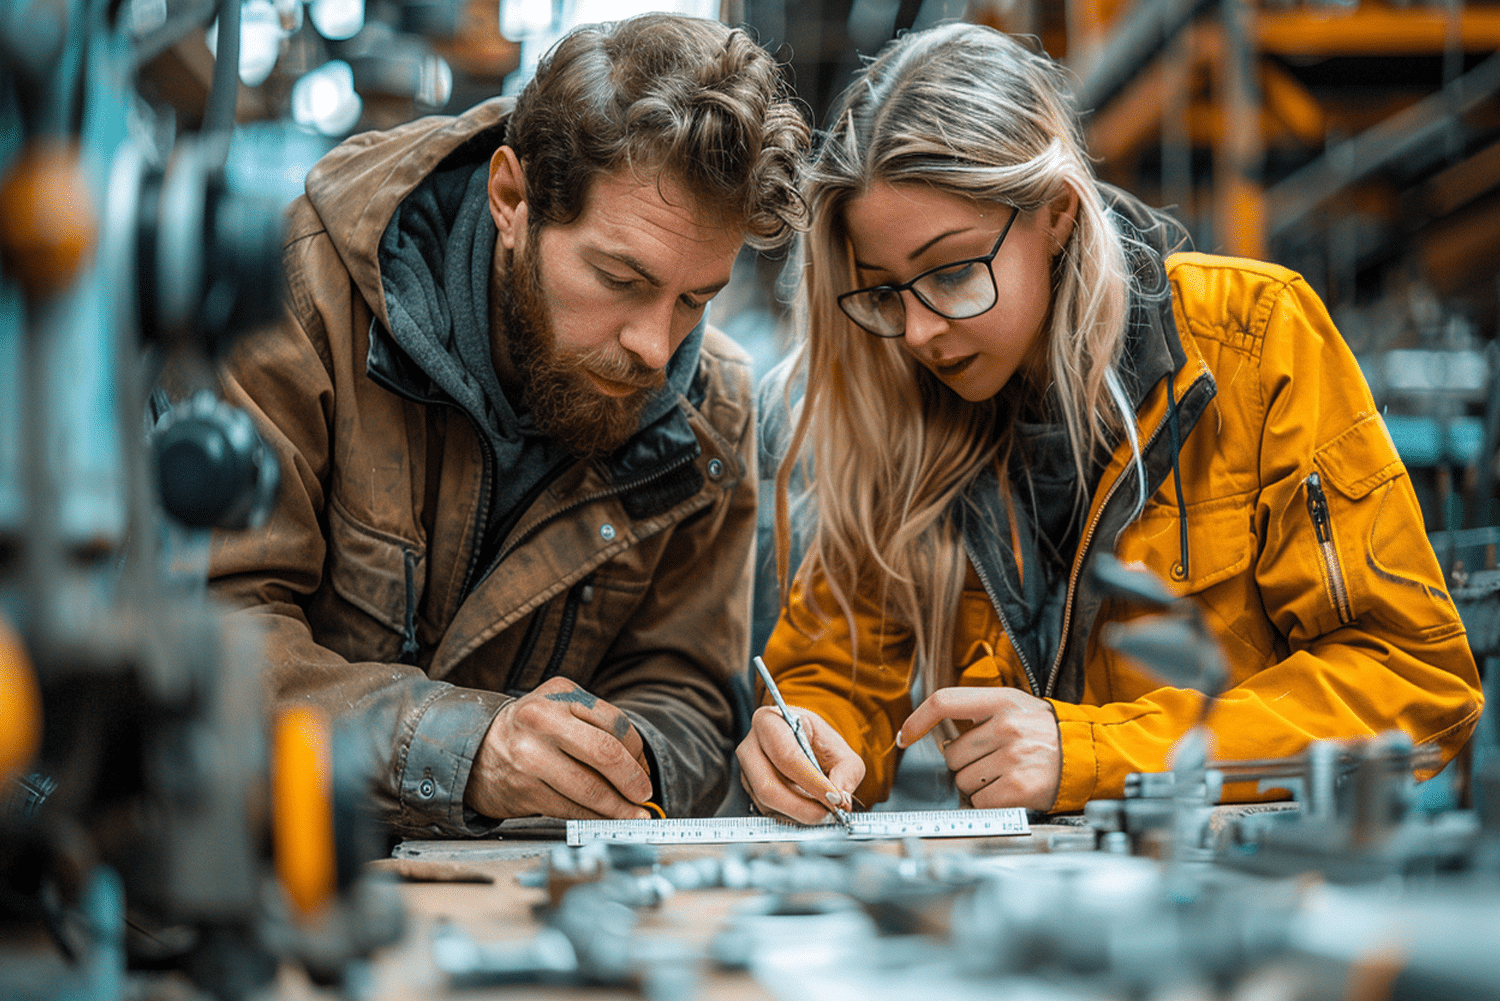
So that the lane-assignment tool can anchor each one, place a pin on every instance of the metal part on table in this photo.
(842, 917)
(804, 930)
(1359, 824)
(548, 955)
(590, 938)
(1362, 788)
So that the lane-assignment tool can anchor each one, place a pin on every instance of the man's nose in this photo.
(922, 324)
(648, 336)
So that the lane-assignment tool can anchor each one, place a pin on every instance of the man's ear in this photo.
(508, 197)
(1061, 214)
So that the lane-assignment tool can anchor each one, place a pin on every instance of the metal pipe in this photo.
(1420, 126)
(1148, 30)
(218, 114)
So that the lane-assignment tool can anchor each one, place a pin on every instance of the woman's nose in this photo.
(922, 324)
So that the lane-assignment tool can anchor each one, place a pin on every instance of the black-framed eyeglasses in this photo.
(958, 290)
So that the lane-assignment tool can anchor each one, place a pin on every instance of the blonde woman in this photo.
(1007, 373)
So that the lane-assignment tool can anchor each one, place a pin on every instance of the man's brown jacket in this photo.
(630, 575)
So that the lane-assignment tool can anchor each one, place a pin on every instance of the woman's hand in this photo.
(1013, 757)
(781, 780)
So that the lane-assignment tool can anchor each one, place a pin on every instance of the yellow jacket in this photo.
(1350, 638)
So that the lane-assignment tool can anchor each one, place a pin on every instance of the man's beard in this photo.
(565, 405)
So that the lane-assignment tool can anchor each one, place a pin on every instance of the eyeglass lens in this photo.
(956, 292)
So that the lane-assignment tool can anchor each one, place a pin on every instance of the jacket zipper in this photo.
(409, 647)
(1333, 570)
(582, 593)
(984, 579)
(1088, 538)
(482, 522)
(528, 645)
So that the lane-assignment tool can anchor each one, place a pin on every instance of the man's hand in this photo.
(781, 780)
(1012, 758)
(559, 751)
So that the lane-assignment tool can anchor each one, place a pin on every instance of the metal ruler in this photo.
(867, 827)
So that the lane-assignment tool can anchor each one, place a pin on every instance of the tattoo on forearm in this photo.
(577, 695)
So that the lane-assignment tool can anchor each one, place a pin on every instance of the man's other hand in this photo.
(559, 751)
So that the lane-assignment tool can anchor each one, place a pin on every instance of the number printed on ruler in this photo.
(867, 826)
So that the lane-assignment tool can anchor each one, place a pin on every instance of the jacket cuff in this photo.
(1080, 763)
(663, 769)
(435, 768)
(690, 768)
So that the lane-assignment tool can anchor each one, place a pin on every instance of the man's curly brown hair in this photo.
(693, 100)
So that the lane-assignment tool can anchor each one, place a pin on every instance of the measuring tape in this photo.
(867, 827)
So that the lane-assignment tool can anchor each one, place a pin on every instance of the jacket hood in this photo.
(357, 187)
(1152, 347)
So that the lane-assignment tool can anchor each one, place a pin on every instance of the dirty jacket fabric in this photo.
(1342, 639)
(629, 575)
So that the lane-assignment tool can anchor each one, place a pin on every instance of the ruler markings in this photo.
(867, 826)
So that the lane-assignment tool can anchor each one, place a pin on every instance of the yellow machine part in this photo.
(302, 809)
(20, 704)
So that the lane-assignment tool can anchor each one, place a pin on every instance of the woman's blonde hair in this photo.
(967, 111)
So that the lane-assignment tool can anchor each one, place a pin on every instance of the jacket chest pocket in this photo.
(382, 576)
(547, 638)
(1218, 536)
(1221, 545)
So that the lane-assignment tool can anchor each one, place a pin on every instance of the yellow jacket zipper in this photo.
(1080, 557)
(1333, 570)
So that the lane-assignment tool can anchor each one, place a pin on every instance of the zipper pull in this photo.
(1317, 507)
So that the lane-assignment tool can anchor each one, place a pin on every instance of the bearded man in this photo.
(518, 497)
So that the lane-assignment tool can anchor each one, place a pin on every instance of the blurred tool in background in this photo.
(140, 823)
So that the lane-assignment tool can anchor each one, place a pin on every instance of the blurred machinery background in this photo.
(149, 823)
(152, 817)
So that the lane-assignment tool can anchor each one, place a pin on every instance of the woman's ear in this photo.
(508, 197)
(1061, 213)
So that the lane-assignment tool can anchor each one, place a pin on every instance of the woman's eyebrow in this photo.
(941, 236)
(919, 251)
